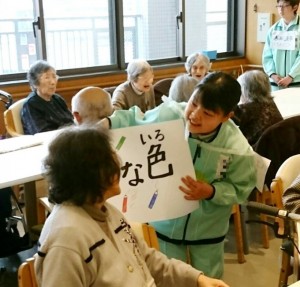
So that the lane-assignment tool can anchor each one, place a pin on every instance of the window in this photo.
(150, 30)
(78, 34)
(17, 43)
(206, 14)
(104, 35)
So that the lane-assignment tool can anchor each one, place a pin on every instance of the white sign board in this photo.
(284, 40)
(264, 22)
(154, 158)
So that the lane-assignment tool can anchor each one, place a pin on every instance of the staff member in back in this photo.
(44, 110)
(281, 57)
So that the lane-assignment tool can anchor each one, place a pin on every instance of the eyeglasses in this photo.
(282, 6)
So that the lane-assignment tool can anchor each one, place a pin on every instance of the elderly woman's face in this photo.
(144, 82)
(47, 84)
(199, 69)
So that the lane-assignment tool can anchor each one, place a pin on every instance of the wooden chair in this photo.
(110, 90)
(285, 175)
(26, 274)
(239, 232)
(12, 119)
(146, 231)
(161, 88)
(248, 67)
(277, 143)
(6, 98)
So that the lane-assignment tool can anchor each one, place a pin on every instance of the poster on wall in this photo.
(264, 22)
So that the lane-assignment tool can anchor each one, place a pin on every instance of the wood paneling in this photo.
(253, 48)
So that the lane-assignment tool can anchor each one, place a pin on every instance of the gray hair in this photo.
(36, 71)
(191, 59)
(255, 86)
(182, 88)
(136, 68)
(92, 104)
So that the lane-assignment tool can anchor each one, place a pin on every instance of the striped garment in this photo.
(291, 197)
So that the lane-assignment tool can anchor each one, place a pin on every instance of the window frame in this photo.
(236, 38)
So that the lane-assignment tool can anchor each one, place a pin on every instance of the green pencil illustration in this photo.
(121, 142)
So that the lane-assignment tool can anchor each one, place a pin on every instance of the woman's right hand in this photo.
(204, 281)
(275, 78)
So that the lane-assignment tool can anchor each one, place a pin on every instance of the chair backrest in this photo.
(278, 143)
(12, 119)
(285, 175)
(110, 90)
(26, 274)
(146, 231)
(161, 88)
(6, 98)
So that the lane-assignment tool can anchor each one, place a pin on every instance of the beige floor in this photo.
(261, 268)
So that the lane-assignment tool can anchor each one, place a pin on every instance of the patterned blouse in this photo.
(291, 197)
(253, 118)
(39, 115)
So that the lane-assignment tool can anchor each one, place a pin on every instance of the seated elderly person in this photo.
(256, 110)
(88, 242)
(182, 88)
(90, 105)
(137, 90)
(197, 66)
(44, 110)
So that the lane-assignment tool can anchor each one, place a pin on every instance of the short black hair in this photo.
(81, 165)
(218, 91)
(291, 2)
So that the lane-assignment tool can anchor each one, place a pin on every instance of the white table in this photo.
(287, 101)
(24, 166)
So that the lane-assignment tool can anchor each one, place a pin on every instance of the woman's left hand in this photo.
(195, 190)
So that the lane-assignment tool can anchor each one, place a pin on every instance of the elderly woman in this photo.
(44, 110)
(197, 66)
(85, 240)
(137, 90)
(256, 110)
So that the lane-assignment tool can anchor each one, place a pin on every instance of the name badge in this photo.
(285, 40)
